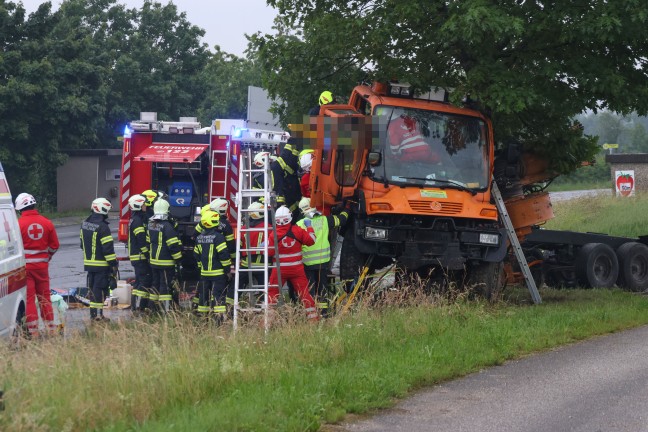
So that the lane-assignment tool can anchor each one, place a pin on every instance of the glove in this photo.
(307, 223)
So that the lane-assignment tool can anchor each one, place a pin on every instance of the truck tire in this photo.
(596, 266)
(487, 279)
(351, 259)
(633, 266)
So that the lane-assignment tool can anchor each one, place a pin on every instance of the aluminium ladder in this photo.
(515, 243)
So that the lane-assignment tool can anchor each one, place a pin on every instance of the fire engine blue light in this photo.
(127, 132)
(237, 133)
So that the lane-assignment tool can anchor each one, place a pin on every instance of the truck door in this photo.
(343, 139)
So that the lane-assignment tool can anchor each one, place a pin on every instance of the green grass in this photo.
(178, 376)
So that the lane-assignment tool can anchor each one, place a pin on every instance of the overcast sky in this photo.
(225, 21)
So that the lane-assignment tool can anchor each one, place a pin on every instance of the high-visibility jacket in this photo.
(137, 244)
(225, 228)
(39, 238)
(407, 143)
(97, 244)
(291, 238)
(320, 252)
(211, 254)
(256, 240)
(285, 182)
(165, 246)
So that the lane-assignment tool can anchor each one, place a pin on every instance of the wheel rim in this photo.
(639, 267)
(603, 267)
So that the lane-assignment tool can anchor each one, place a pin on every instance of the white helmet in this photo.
(219, 205)
(101, 206)
(136, 202)
(305, 206)
(283, 216)
(306, 161)
(260, 159)
(256, 206)
(160, 209)
(24, 200)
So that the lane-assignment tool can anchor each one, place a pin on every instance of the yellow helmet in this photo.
(204, 209)
(210, 219)
(150, 196)
(326, 97)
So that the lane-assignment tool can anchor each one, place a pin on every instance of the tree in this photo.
(532, 66)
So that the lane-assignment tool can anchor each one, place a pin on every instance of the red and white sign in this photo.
(624, 182)
(35, 231)
(174, 153)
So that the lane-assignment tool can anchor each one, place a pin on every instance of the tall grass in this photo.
(177, 374)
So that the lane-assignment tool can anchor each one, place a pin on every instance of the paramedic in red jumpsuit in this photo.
(41, 243)
(407, 143)
(291, 238)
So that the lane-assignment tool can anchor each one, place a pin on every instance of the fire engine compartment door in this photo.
(171, 153)
(340, 156)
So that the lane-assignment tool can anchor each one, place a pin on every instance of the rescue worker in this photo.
(285, 181)
(214, 262)
(41, 243)
(99, 258)
(150, 196)
(255, 240)
(166, 253)
(317, 257)
(408, 144)
(326, 97)
(138, 252)
(305, 163)
(290, 240)
(258, 179)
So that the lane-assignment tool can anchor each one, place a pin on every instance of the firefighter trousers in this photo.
(316, 275)
(139, 298)
(98, 290)
(294, 274)
(161, 292)
(211, 295)
(38, 287)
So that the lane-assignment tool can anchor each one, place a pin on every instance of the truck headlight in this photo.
(375, 233)
(489, 239)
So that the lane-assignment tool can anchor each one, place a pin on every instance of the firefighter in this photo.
(215, 264)
(41, 243)
(166, 253)
(317, 257)
(305, 163)
(290, 240)
(326, 97)
(138, 252)
(150, 196)
(285, 181)
(99, 258)
(255, 240)
(258, 179)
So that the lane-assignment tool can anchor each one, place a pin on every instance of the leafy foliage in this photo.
(532, 66)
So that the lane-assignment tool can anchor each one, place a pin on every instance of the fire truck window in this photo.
(326, 152)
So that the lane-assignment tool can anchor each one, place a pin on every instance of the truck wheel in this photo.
(487, 279)
(596, 266)
(633, 266)
(20, 330)
(351, 260)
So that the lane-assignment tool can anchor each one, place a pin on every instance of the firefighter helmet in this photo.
(261, 157)
(326, 97)
(305, 206)
(162, 195)
(204, 209)
(306, 162)
(283, 216)
(136, 202)
(161, 209)
(256, 206)
(210, 219)
(24, 200)
(101, 206)
(150, 196)
(219, 205)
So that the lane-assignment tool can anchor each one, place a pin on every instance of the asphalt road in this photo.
(596, 385)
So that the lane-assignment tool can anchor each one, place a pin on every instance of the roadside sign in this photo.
(607, 146)
(624, 183)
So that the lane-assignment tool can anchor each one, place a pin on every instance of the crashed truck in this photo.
(192, 164)
(438, 218)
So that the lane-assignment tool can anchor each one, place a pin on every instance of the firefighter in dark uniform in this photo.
(215, 264)
(99, 258)
(166, 251)
(285, 180)
(150, 196)
(138, 252)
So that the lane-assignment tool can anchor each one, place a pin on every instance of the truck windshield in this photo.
(431, 148)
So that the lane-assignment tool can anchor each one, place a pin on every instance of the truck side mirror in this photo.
(374, 158)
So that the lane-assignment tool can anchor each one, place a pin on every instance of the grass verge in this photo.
(176, 375)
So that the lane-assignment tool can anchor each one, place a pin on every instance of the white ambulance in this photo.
(13, 276)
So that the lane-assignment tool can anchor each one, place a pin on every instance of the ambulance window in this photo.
(9, 234)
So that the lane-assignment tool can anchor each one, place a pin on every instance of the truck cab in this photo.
(418, 180)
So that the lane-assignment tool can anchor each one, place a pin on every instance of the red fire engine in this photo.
(193, 165)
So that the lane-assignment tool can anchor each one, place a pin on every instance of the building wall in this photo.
(108, 179)
(640, 171)
(76, 183)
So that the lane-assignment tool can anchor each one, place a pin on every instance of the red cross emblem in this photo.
(35, 231)
(288, 242)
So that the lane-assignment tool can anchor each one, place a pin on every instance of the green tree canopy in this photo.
(532, 66)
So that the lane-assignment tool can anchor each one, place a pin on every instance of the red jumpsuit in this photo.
(304, 184)
(407, 143)
(291, 238)
(41, 242)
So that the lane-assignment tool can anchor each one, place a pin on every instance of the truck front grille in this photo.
(447, 208)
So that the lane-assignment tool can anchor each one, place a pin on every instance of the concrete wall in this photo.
(108, 185)
(85, 177)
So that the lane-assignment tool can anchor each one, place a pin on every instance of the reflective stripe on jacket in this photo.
(165, 247)
(211, 253)
(137, 244)
(39, 238)
(97, 243)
